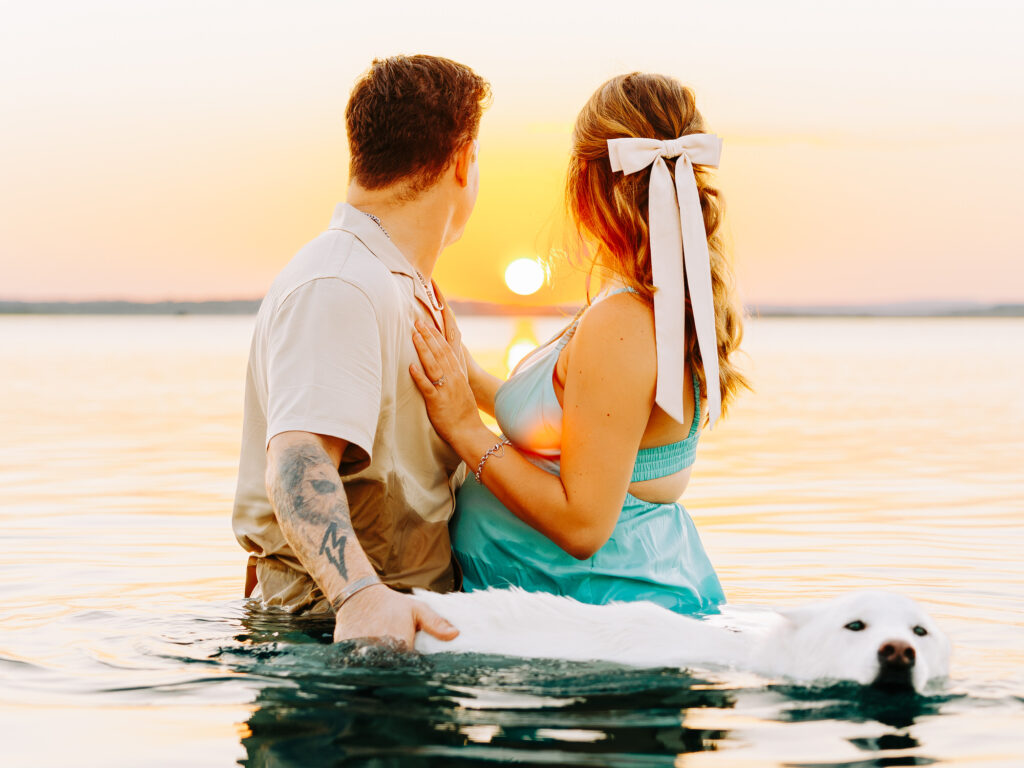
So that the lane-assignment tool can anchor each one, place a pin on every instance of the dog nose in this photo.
(896, 653)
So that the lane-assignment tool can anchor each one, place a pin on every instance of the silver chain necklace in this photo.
(434, 302)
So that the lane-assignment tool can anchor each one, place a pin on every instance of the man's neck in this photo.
(420, 228)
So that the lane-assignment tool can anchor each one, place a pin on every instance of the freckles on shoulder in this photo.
(620, 330)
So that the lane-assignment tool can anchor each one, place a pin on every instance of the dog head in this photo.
(873, 638)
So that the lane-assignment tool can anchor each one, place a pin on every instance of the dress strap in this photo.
(616, 292)
(568, 332)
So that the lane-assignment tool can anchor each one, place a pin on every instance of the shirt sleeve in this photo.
(324, 365)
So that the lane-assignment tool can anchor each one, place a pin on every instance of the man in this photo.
(344, 489)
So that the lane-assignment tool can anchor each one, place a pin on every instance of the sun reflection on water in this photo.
(524, 341)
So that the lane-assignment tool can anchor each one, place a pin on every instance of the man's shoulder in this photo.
(334, 255)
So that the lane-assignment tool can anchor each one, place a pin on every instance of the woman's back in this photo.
(653, 551)
(612, 415)
(529, 405)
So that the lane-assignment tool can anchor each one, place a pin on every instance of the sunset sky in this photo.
(185, 150)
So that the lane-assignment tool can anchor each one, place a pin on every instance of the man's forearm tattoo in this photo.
(333, 545)
(292, 469)
(323, 486)
(307, 503)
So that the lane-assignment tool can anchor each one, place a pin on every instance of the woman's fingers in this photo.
(436, 356)
(452, 334)
(431, 365)
(421, 380)
(442, 381)
(439, 346)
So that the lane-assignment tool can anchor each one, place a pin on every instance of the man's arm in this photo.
(311, 507)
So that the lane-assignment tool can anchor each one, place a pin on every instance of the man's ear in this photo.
(464, 159)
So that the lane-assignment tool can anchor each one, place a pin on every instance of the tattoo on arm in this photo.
(323, 486)
(333, 546)
(308, 505)
(292, 469)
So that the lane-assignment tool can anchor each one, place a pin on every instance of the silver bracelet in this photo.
(351, 589)
(494, 450)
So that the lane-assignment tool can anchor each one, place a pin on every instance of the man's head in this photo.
(408, 119)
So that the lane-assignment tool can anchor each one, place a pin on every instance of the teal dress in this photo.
(654, 552)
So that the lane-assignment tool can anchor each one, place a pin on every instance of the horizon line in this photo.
(470, 307)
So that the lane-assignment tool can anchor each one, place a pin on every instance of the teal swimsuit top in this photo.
(528, 413)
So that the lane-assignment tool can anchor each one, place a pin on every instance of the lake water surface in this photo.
(874, 453)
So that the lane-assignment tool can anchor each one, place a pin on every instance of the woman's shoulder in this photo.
(620, 326)
(624, 312)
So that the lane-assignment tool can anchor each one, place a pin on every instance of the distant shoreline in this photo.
(909, 310)
(486, 309)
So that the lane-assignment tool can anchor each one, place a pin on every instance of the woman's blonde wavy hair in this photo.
(609, 210)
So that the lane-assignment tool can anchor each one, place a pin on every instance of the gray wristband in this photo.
(351, 589)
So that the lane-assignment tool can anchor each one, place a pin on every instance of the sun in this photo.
(524, 276)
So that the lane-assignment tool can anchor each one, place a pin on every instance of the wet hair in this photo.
(609, 210)
(406, 118)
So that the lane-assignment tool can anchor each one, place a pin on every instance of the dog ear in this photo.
(799, 615)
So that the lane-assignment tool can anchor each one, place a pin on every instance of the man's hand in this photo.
(312, 509)
(379, 611)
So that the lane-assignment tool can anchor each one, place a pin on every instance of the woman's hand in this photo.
(453, 335)
(442, 381)
(483, 384)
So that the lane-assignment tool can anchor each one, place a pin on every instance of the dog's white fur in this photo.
(808, 643)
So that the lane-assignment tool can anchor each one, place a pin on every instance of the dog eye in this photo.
(855, 626)
(920, 631)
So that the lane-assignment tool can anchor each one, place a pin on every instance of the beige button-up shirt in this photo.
(330, 355)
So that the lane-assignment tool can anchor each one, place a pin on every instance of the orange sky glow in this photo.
(185, 150)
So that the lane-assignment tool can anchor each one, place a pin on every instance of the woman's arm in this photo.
(484, 385)
(609, 394)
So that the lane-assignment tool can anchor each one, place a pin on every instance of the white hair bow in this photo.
(679, 253)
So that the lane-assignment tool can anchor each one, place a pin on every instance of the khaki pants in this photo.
(276, 585)
(279, 586)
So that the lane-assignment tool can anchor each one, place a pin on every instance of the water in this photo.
(881, 453)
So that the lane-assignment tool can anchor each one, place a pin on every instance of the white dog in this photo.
(872, 638)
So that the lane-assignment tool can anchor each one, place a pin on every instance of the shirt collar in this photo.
(350, 219)
(356, 222)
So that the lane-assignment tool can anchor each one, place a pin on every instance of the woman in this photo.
(602, 422)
